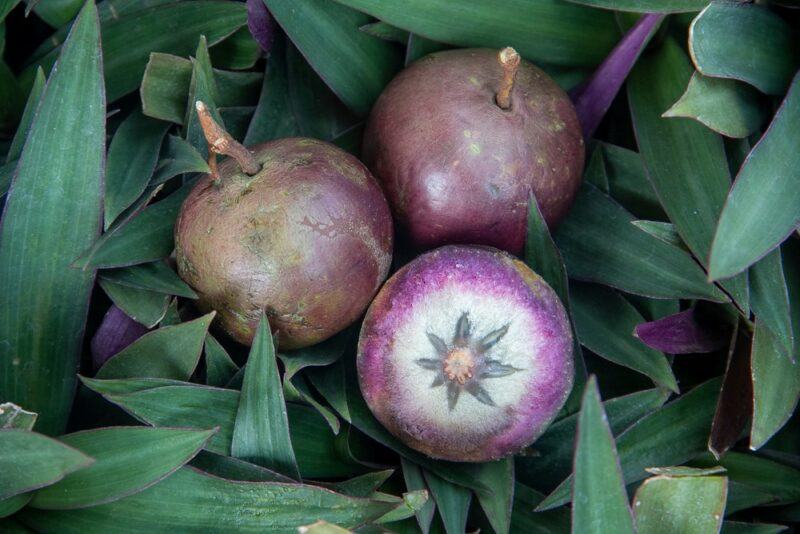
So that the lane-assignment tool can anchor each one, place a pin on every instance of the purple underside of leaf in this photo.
(682, 333)
(261, 24)
(116, 332)
(593, 98)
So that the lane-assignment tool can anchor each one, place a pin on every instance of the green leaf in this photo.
(330, 382)
(261, 432)
(680, 505)
(6, 6)
(202, 87)
(525, 519)
(605, 322)
(767, 54)
(685, 160)
(154, 276)
(553, 461)
(169, 352)
(728, 107)
(356, 66)
(600, 503)
(180, 157)
(362, 485)
(664, 231)
(671, 435)
(776, 479)
(191, 499)
(599, 244)
(143, 306)
(498, 501)
(29, 461)
(52, 213)
(683, 471)
(776, 386)
(147, 236)
(55, 12)
(127, 461)
(763, 207)
(418, 47)
(547, 31)
(770, 299)
(646, 6)
(387, 32)
(171, 28)
(452, 501)
(237, 52)
(736, 527)
(628, 183)
(15, 150)
(9, 507)
(196, 406)
(219, 366)
(165, 87)
(415, 481)
(131, 161)
(13, 416)
(274, 117)
(6, 175)
(235, 469)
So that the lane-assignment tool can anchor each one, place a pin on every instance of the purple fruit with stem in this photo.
(466, 354)
(461, 138)
(295, 227)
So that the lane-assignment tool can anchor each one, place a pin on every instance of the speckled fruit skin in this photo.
(422, 302)
(456, 167)
(308, 239)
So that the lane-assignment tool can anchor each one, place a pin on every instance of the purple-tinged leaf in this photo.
(682, 333)
(593, 98)
(261, 24)
(116, 332)
(735, 403)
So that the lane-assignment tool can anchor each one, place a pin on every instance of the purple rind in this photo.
(456, 167)
(308, 240)
(485, 271)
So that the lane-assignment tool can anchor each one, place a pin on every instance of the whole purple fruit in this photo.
(304, 233)
(465, 354)
(461, 138)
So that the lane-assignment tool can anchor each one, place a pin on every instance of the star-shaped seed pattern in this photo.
(462, 364)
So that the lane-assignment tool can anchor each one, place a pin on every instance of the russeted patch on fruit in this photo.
(295, 227)
(466, 354)
(462, 138)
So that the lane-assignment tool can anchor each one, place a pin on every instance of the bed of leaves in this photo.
(679, 262)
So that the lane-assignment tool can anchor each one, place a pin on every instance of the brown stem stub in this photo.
(221, 142)
(509, 59)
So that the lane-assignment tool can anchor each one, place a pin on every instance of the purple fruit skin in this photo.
(308, 240)
(456, 167)
(485, 270)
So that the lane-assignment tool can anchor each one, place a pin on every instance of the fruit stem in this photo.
(509, 59)
(221, 142)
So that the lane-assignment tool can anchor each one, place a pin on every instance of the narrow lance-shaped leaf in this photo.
(15, 150)
(452, 502)
(414, 479)
(127, 461)
(261, 432)
(767, 54)
(145, 307)
(763, 207)
(735, 403)
(154, 276)
(728, 107)
(170, 352)
(770, 298)
(599, 501)
(683, 333)
(173, 28)
(178, 158)
(685, 161)
(29, 461)
(203, 88)
(646, 6)
(132, 158)
(355, 65)
(212, 504)
(219, 366)
(52, 213)
(680, 504)
(593, 98)
(498, 502)
(605, 322)
(116, 332)
(547, 31)
(261, 24)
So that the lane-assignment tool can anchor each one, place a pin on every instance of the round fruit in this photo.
(307, 238)
(466, 354)
(460, 140)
